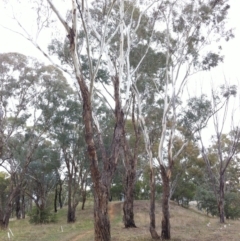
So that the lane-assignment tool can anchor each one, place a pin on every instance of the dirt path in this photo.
(114, 208)
(78, 238)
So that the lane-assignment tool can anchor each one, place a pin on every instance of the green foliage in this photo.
(184, 193)
(232, 208)
(116, 191)
(38, 216)
(195, 115)
(206, 201)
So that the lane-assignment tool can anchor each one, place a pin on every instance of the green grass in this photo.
(186, 225)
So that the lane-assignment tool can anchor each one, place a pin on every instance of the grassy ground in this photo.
(186, 225)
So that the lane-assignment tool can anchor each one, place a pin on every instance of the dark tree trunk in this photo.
(18, 206)
(129, 185)
(55, 199)
(152, 227)
(101, 178)
(71, 216)
(23, 205)
(5, 216)
(102, 223)
(165, 203)
(221, 199)
(60, 195)
(84, 197)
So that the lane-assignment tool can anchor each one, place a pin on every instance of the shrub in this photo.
(38, 216)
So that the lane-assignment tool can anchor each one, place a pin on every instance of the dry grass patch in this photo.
(186, 225)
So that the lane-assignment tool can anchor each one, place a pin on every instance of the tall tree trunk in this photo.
(55, 199)
(71, 217)
(165, 203)
(129, 185)
(102, 223)
(84, 197)
(221, 198)
(18, 206)
(152, 227)
(23, 205)
(60, 195)
(5, 215)
(4, 220)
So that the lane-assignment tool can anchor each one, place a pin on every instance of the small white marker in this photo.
(11, 231)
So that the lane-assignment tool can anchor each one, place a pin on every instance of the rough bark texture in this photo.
(71, 216)
(152, 227)
(101, 181)
(129, 185)
(5, 216)
(102, 223)
(130, 178)
(165, 204)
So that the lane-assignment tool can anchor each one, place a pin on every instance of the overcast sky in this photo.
(12, 42)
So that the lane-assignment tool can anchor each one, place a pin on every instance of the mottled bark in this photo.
(152, 227)
(129, 185)
(165, 203)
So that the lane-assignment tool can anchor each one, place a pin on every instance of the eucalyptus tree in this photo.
(43, 176)
(30, 93)
(67, 131)
(186, 30)
(97, 33)
(225, 147)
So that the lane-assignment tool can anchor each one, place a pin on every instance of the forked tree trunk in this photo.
(165, 204)
(221, 199)
(128, 217)
(152, 227)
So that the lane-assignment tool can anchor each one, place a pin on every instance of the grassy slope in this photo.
(187, 225)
